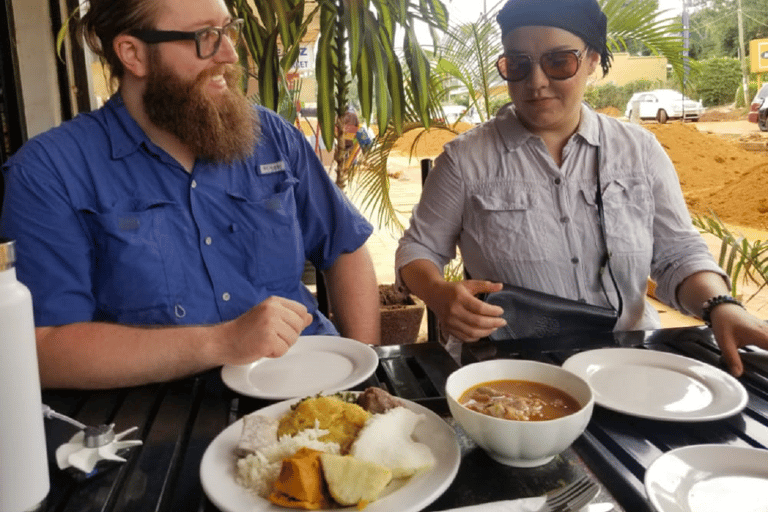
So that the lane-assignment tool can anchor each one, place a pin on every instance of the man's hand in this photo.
(461, 313)
(268, 329)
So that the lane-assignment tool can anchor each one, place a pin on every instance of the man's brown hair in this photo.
(106, 19)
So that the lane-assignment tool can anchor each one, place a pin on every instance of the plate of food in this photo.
(658, 385)
(709, 478)
(314, 364)
(394, 455)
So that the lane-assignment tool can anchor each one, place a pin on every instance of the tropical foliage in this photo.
(637, 21)
(357, 41)
(743, 260)
(714, 30)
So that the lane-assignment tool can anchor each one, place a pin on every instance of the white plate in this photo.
(314, 364)
(709, 478)
(658, 385)
(217, 468)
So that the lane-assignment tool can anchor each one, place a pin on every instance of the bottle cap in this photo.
(7, 254)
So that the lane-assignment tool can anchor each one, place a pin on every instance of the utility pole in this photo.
(743, 58)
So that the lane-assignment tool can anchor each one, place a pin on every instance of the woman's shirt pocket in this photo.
(627, 204)
(264, 234)
(508, 222)
(136, 260)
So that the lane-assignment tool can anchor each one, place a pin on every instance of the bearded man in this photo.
(166, 233)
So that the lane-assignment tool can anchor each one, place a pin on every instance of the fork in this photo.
(571, 497)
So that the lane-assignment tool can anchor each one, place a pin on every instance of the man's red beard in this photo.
(221, 127)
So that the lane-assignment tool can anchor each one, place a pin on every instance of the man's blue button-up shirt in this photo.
(109, 227)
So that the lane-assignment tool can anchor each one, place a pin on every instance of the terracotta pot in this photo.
(400, 321)
(401, 324)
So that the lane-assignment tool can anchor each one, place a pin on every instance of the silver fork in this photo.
(571, 497)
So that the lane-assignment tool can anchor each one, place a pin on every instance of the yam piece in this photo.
(353, 481)
(301, 484)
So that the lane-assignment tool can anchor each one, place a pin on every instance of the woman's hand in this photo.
(461, 313)
(734, 327)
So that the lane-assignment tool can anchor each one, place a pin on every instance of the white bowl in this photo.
(520, 443)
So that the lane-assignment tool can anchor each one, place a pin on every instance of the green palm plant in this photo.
(636, 20)
(741, 259)
(357, 41)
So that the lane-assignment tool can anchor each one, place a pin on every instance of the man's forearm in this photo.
(354, 296)
(101, 355)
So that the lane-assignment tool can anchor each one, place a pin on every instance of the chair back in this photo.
(433, 326)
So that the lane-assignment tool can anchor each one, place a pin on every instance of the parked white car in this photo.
(663, 104)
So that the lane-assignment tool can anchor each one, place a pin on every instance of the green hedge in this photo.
(719, 81)
(610, 95)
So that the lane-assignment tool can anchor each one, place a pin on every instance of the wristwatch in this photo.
(712, 303)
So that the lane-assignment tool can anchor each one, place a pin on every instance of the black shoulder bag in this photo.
(534, 314)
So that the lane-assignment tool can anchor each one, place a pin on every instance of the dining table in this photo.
(177, 421)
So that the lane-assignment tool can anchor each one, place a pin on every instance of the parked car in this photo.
(663, 104)
(762, 115)
(757, 101)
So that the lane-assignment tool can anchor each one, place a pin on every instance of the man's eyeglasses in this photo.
(557, 65)
(207, 40)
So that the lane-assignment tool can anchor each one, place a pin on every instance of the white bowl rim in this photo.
(589, 405)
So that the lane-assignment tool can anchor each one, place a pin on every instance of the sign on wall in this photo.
(758, 55)
(306, 59)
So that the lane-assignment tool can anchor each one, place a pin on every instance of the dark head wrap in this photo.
(581, 17)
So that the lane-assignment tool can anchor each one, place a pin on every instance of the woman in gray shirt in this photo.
(516, 195)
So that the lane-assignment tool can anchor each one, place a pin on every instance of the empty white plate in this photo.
(658, 385)
(314, 364)
(709, 478)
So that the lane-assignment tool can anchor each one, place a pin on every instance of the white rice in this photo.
(260, 470)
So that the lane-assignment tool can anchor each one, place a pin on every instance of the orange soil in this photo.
(716, 174)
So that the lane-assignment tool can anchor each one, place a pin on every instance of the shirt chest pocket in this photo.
(136, 260)
(266, 237)
(510, 225)
(628, 216)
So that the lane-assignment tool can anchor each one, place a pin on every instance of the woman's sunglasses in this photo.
(558, 65)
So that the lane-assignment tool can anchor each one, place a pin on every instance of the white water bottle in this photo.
(24, 479)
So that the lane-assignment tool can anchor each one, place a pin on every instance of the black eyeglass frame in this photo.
(578, 53)
(165, 36)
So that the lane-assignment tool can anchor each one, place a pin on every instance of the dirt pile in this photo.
(717, 174)
(429, 143)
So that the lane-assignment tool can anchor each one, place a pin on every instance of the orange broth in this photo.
(520, 400)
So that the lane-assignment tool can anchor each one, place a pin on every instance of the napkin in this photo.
(520, 505)
(74, 453)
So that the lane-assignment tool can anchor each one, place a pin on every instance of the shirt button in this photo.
(225, 296)
(574, 260)
(208, 240)
(194, 184)
(557, 181)
(564, 219)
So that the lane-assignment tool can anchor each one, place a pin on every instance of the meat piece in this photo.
(377, 401)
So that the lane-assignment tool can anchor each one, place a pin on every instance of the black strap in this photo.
(607, 258)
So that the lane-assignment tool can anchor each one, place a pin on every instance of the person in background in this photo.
(517, 195)
(167, 232)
